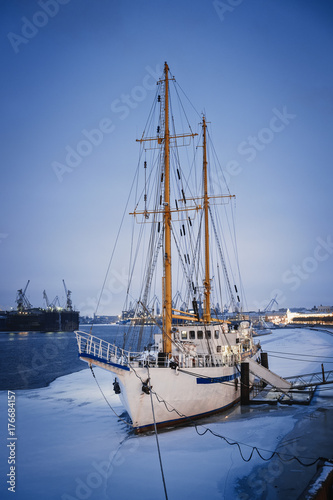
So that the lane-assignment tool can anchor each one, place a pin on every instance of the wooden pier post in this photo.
(264, 359)
(245, 383)
(264, 362)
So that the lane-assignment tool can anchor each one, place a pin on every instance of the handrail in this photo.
(311, 379)
(103, 351)
(91, 345)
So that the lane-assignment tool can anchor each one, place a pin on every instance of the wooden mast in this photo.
(167, 309)
(206, 313)
(166, 213)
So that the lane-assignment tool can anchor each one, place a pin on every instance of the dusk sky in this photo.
(261, 70)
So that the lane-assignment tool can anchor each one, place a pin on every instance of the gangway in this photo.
(268, 376)
(298, 389)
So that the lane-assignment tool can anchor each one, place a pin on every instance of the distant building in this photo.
(320, 315)
(325, 309)
(276, 317)
(321, 318)
(104, 320)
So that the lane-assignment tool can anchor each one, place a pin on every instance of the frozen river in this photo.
(70, 445)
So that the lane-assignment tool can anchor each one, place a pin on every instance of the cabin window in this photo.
(200, 335)
(218, 348)
(184, 335)
(192, 334)
(208, 334)
(216, 334)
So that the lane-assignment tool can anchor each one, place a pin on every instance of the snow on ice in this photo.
(71, 446)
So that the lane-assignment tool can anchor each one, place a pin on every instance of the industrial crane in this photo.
(51, 305)
(270, 304)
(69, 305)
(54, 302)
(45, 297)
(22, 300)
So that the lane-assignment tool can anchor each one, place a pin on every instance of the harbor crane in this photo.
(45, 297)
(154, 304)
(177, 297)
(270, 304)
(55, 302)
(21, 300)
(69, 304)
(51, 305)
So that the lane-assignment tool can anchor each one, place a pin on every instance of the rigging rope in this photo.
(224, 267)
(177, 85)
(299, 354)
(298, 359)
(112, 254)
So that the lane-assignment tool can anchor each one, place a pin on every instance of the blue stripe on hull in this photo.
(217, 380)
(102, 360)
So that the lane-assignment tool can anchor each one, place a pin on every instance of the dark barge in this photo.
(53, 318)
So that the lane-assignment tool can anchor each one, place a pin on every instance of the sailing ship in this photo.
(191, 369)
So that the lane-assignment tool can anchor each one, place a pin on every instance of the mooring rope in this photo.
(120, 418)
(231, 442)
(156, 435)
(282, 456)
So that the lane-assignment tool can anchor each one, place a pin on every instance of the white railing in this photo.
(105, 352)
(110, 353)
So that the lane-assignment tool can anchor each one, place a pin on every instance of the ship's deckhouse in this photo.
(216, 345)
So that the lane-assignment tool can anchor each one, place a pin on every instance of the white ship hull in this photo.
(178, 395)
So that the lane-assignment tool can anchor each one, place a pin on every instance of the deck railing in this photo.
(106, 352)
(100, 350)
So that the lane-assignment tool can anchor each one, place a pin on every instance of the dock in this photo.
(270, 388)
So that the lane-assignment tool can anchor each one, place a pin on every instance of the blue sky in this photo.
(262, 72)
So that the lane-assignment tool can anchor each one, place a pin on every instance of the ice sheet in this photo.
(70, 445)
